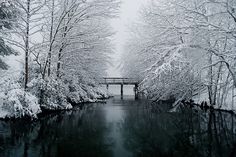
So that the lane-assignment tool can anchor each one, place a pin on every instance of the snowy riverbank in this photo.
(42, 94)
(18, 104)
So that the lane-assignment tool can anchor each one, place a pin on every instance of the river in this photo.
(121, 128)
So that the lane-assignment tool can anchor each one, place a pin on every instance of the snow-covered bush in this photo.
(17, 103)
(51, 94)
(76, 94)
(79, 92)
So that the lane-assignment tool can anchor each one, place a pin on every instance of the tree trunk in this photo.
(210, 75)
(216, 84)
(62, 47)
(51, 33)
(59, 62)
(27, 46)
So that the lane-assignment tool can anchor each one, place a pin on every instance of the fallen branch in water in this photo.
(205, 107)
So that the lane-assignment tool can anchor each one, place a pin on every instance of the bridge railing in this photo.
(117, 80)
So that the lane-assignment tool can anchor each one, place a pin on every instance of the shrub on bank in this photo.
(17, 103)
(41, 94)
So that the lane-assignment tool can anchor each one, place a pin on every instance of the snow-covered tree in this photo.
(26, 35)
(66, 45)
(175, 36)
(7, 16)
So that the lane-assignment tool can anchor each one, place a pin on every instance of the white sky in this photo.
(128, 14)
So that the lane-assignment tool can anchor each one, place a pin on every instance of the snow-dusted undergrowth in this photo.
(17, 103)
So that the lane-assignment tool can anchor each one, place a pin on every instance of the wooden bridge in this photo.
(121, 81)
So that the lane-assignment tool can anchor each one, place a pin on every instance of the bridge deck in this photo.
(118, 81)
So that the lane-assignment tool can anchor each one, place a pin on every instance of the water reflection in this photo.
(67, 134)
(188, 133)
(121, 129)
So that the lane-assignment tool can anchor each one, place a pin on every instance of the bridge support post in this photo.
(136, 94)
(121, 91)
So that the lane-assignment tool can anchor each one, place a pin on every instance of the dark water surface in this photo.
(119, 128)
